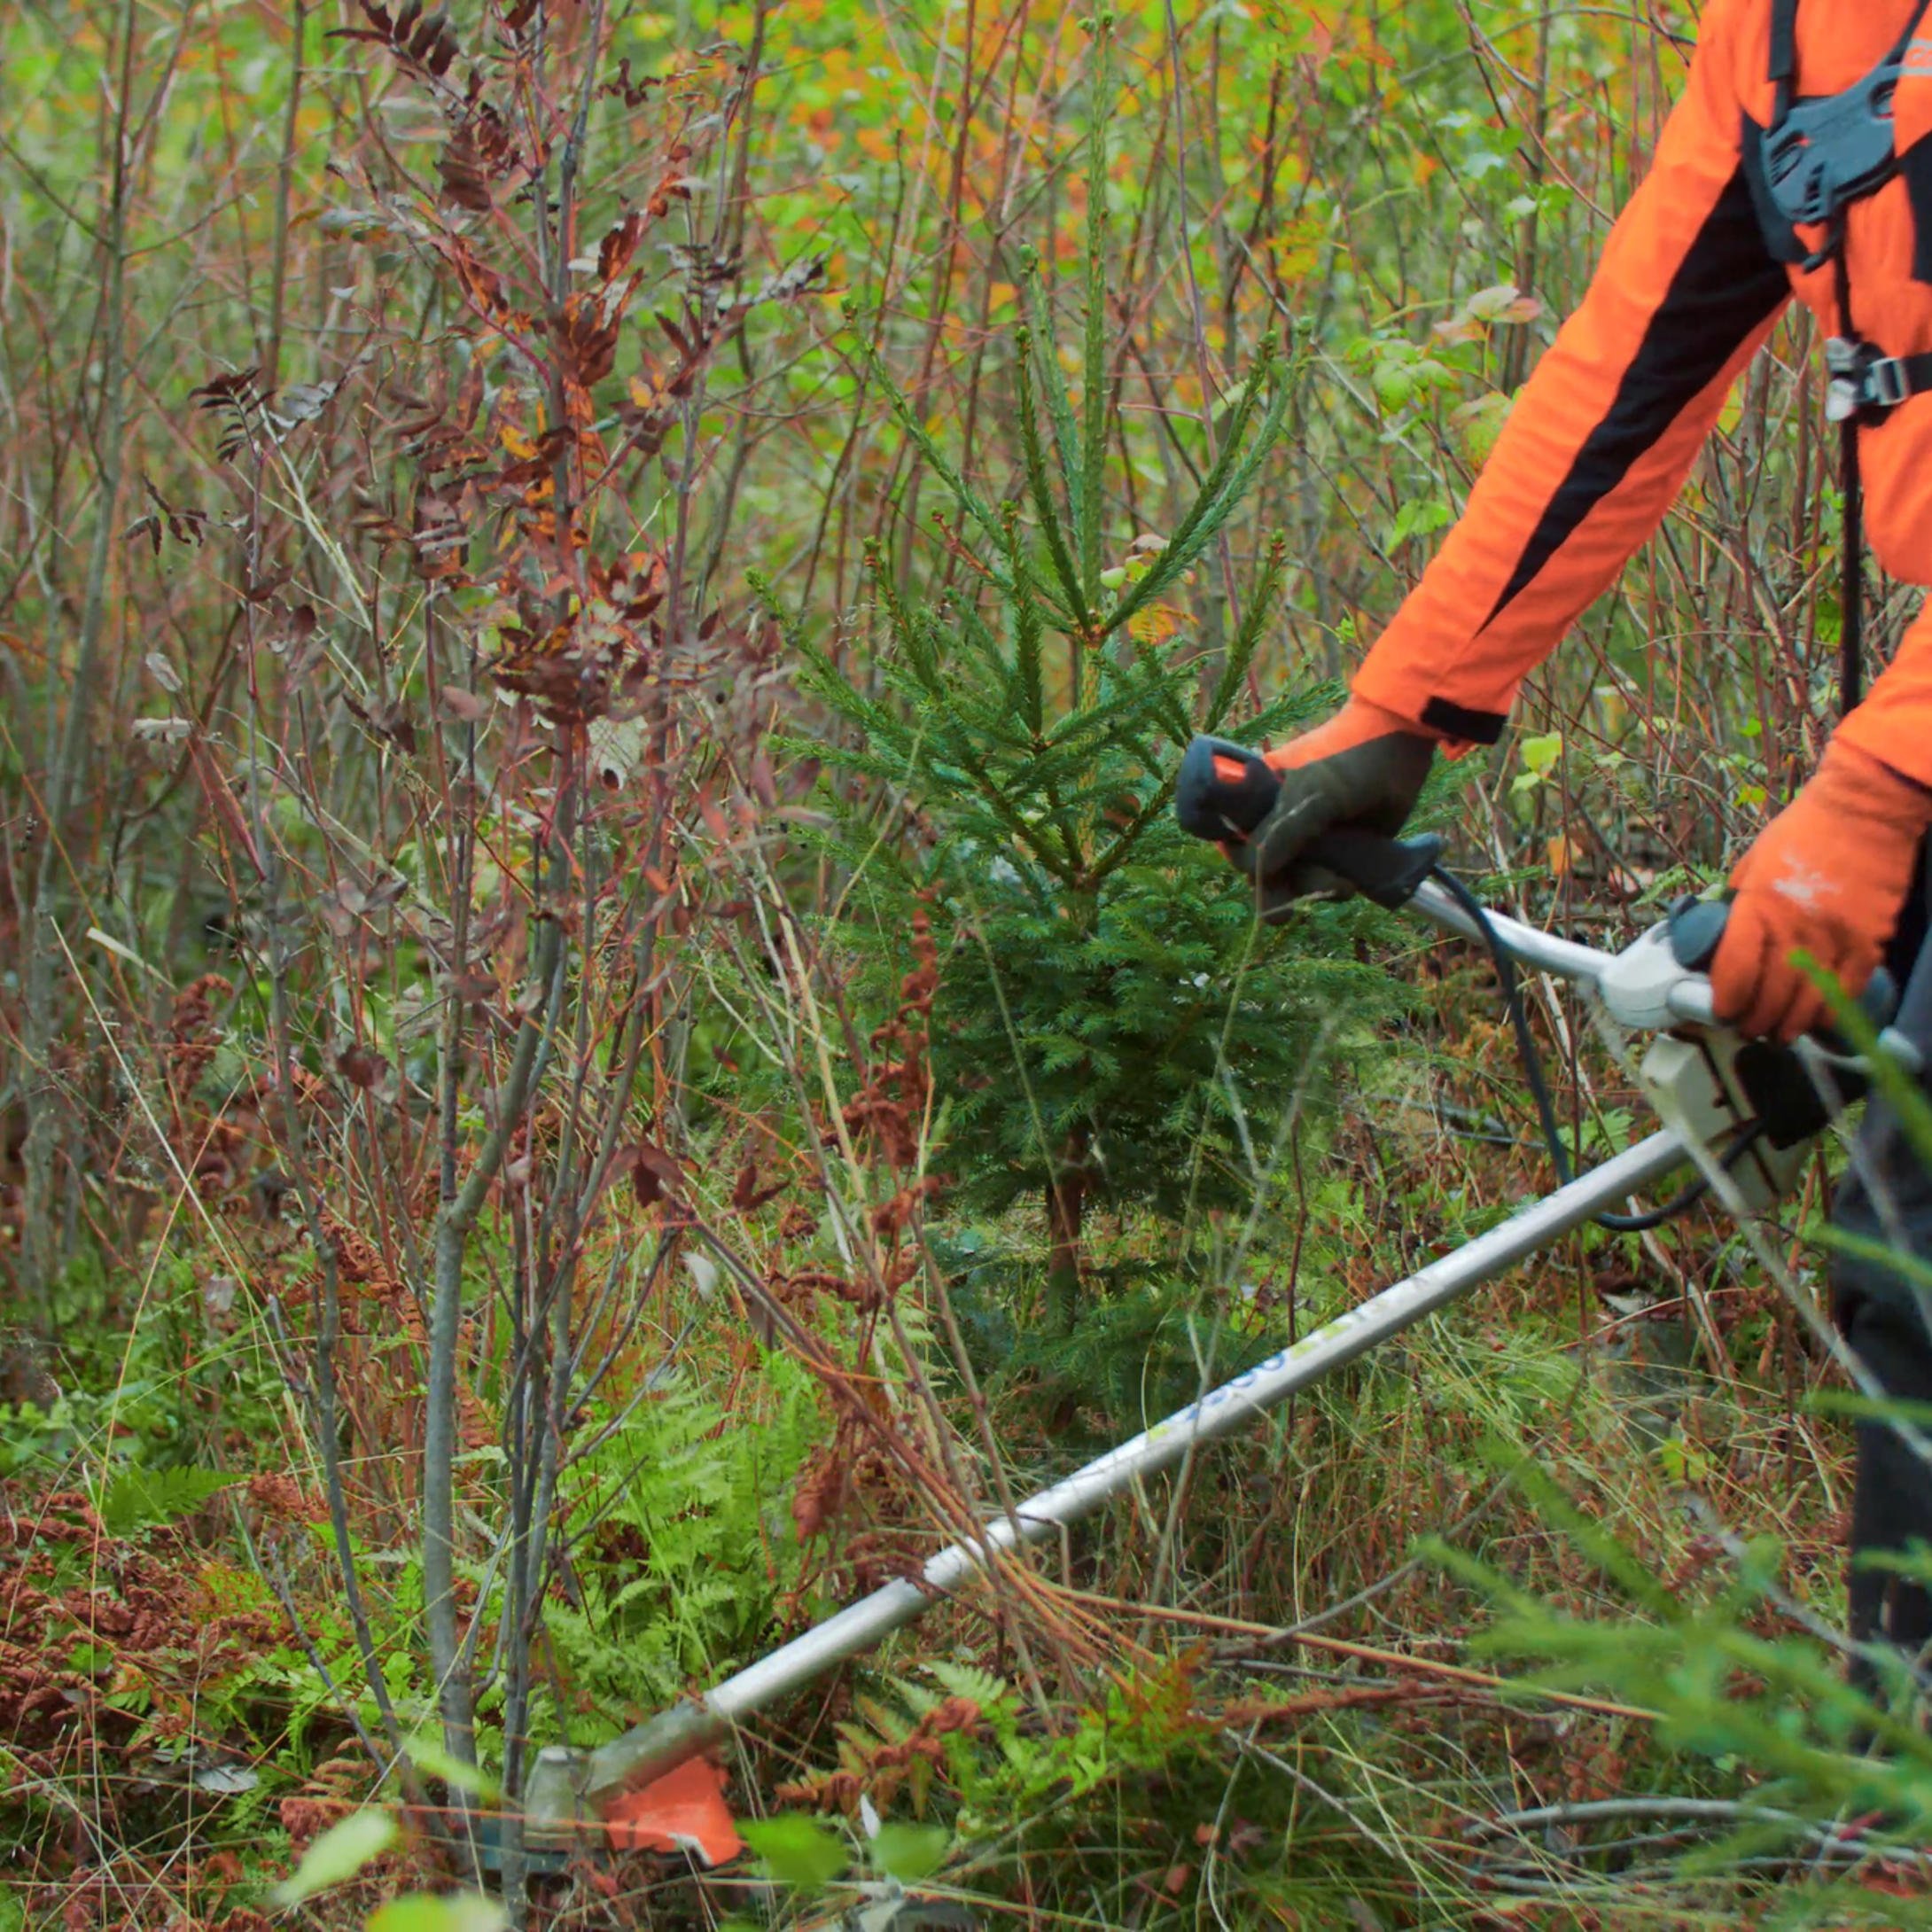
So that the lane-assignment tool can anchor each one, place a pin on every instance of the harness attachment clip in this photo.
(1866, 385)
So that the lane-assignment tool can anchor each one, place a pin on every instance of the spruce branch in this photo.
(1066, 435)
(1041, 491)
(1247, 640)
(900, 403)
(1093, 367)
(1226, 484)
(1026, 676)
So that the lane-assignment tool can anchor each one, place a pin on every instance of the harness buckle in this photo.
(1885, 383)
(1863, 383)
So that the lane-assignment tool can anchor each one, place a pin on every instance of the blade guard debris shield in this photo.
(683, 1810)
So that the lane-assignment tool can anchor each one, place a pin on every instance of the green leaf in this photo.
(424, 1912)
(797, 1850)
(338, 1854)
(428, 1755)
(1393, 385)
(1418, 518)
(911, 1852)
(1541, 753)
(1682, 1461)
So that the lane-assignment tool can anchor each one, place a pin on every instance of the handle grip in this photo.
(1224, 790)
(1696, 929)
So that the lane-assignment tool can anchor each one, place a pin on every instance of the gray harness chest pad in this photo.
(1820, 154)
(1818, 157)
(1832, 152)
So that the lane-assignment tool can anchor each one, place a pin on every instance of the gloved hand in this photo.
(1829, 874)
(1364, 767)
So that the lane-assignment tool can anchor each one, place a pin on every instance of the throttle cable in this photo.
(1747, 1137)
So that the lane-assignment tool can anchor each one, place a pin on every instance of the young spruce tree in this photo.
(1112, 1028)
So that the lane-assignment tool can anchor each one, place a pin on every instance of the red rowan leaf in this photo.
(615, 251)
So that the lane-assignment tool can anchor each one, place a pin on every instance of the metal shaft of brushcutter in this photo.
(1687, 998)
(584, 1786)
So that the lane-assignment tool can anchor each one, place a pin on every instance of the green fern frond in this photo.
(993, 1695)
(139, 1498)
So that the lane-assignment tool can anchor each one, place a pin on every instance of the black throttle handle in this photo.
(1696, 927)
(1224, 790)
(1388, 870)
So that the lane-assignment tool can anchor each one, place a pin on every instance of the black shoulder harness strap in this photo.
(1809, 165)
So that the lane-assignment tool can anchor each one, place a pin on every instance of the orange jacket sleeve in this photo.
(1894, 724)
(1602, 434)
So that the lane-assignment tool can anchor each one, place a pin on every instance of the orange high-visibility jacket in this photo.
(1603, 433)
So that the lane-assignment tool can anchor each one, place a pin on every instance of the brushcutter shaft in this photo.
(653, 1748)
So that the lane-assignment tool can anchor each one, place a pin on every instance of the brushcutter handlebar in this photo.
(1224, 790)
(1696, 928)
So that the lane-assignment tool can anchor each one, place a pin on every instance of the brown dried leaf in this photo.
(615, 251)
(460, 168)
(360, 1066)
(462, 706)
(655, 1175)
(746, 1194)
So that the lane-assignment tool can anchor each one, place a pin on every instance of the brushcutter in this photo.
(1739, 1113)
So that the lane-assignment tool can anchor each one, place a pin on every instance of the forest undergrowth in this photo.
(606, 1037)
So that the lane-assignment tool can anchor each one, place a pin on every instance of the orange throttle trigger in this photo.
(1224, 789)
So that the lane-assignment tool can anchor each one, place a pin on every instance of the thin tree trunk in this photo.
(271, 355)
(69, 743)
(1066, 1209)
(450, 1658)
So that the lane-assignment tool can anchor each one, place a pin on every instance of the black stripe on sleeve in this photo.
(1473, 726)
(1725, 286)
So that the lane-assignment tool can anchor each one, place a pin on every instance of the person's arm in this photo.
(1830, 874)
(1603, 433)
(1894, 724)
